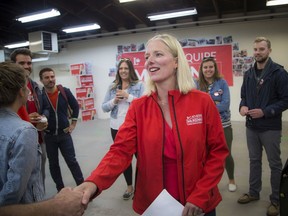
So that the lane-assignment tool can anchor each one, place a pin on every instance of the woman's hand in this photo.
(88, 189)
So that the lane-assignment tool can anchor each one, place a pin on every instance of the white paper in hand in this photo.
(164, 205)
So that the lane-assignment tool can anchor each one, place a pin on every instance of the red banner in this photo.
(194, 55)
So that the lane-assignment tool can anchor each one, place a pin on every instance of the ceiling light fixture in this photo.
(38, 15)
(16, 45)
(124, 1)
(172, 14)
(82, 28)
(276, 2)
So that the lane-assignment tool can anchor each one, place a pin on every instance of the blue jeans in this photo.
(63, 142)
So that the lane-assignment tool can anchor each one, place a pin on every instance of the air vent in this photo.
(42, 41)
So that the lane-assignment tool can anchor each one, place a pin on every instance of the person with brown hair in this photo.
(58, 133)
(20, 173)
(122, 91)
(36, 106)
(264, 96)
(210, 80)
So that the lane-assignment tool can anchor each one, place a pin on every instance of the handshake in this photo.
(68, 202)
(73, 202)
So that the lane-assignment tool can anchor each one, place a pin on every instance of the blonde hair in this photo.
(260, 39)
(184, 78)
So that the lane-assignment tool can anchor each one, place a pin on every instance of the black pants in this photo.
(63, 142)
(128, 172)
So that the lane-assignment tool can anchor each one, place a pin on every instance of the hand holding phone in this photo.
(119, 88)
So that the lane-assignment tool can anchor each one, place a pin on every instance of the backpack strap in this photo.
(62, 91)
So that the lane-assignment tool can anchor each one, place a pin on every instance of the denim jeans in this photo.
(64, 143)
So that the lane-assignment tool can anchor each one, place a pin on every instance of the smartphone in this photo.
(119, 87)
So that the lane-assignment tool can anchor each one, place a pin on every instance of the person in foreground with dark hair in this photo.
(20, 174)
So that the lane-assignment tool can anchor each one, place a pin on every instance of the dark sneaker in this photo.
(273, 209)
(127, 195)
(246, 198)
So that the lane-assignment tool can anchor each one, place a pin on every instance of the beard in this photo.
(261, 60)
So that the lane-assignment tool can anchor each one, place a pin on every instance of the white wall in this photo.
(102, 52)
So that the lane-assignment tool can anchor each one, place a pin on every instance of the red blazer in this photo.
(200, 144)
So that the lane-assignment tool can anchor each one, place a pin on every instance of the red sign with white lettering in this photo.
(221, 53)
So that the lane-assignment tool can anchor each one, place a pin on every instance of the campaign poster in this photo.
(84, 92)
(85, 80)
(88, 103)
(88, 115)
(80, 69)
(221, 53)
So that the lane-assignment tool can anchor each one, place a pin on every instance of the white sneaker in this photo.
(232, 187)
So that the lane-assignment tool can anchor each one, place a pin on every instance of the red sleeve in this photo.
(23, 114)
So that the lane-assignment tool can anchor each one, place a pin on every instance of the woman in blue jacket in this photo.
(20, 173)
(121, 92)
(211, 81)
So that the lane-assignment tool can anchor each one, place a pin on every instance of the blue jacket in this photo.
(270, 94)
(220, 94)
(41, 102)
(20, 161)
(58, 118)
(135, 90)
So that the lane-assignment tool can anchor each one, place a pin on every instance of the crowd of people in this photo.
(179, 129)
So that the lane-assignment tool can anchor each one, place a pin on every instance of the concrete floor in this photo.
(92, 139)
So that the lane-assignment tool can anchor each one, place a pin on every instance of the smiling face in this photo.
(25, 61)
(160, 63)
(208, 70)
(124, 71)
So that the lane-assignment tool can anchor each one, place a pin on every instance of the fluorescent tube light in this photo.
(82, 28)
(16, 45)
(38, 15)
(124, 1)
(276, 2)
(172, 14)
